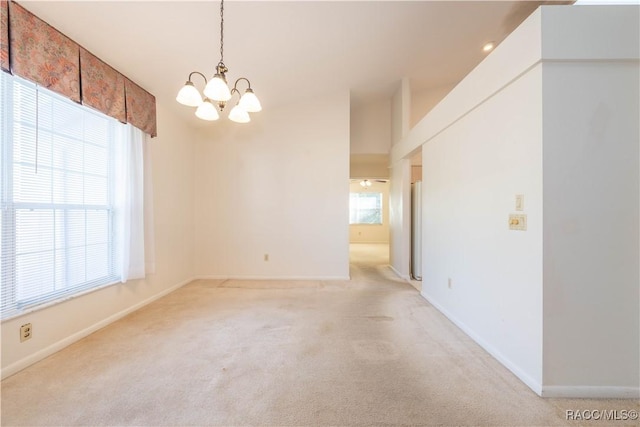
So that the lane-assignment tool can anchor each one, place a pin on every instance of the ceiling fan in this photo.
(368, 182)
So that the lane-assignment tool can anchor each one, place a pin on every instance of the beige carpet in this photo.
(370, 351)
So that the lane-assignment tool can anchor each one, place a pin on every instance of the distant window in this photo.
(365, 208)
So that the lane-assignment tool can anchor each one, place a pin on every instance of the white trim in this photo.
(271, 278)
(591, 392)
(53, 348)
(515, 369)
(397, 273)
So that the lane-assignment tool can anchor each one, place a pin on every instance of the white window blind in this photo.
(365, 208)
(57, 196)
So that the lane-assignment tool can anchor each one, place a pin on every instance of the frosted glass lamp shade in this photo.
(217, 89)
(249, 102)
(207, 111)
(239, 115)
(189, 95)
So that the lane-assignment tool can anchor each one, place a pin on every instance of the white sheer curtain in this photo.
(149, 234)
(133, 199)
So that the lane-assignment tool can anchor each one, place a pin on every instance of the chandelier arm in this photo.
(200, 74)
(235, 85)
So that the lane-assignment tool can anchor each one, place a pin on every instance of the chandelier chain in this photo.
(222, 32)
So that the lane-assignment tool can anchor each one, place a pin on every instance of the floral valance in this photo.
(42, 54)
(141, 108)
(36, 51)
(102, 86)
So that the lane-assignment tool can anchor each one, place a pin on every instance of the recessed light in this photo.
(488, 47)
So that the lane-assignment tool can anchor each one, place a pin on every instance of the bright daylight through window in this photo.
(365, 208)
(58, 175)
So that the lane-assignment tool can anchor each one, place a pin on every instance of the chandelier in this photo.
(217, 92)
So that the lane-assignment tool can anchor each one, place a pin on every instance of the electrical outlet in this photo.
(266, 257)
(450, 283)
(518, 222)
(25, 332)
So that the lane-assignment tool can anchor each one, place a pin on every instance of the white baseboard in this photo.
(515, 369)
(271, 278)
(576, 392)
(397, 273)
(591, 392)
(54, 348)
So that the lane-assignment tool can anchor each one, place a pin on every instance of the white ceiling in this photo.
(289, 50)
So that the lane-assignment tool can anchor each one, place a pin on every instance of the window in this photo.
(365, 208)
(57, 158)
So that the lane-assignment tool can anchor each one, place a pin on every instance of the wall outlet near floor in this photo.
(266, 257)
(518, 222)
(450, 283)
(25, 332)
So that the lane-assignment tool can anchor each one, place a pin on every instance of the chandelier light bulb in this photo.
(217, 89)
(239, 115)
(249, 102)
(189, 95)
(207, 111)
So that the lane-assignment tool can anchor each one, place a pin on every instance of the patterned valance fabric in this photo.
(102, 86)
(42, 54)
(34, 50)
(4, 35)
(141, 108)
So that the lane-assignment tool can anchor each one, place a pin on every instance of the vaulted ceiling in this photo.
(288, 49)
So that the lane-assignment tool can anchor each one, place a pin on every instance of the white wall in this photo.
(472, 172)
(371, 233)
(277, 186)
(423, 101)
(370, 139)
(552, 114)
(59, 325)
(400, 188)
(400, 217)
(370, 128)
(516, 54)
(591, 282)
(400, 111)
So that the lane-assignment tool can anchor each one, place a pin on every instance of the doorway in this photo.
(369, 221)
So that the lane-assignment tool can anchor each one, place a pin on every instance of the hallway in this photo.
(370, 351)
(369, 262)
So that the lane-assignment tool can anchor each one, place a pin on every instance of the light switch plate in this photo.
(519, 202)
(518, 222)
